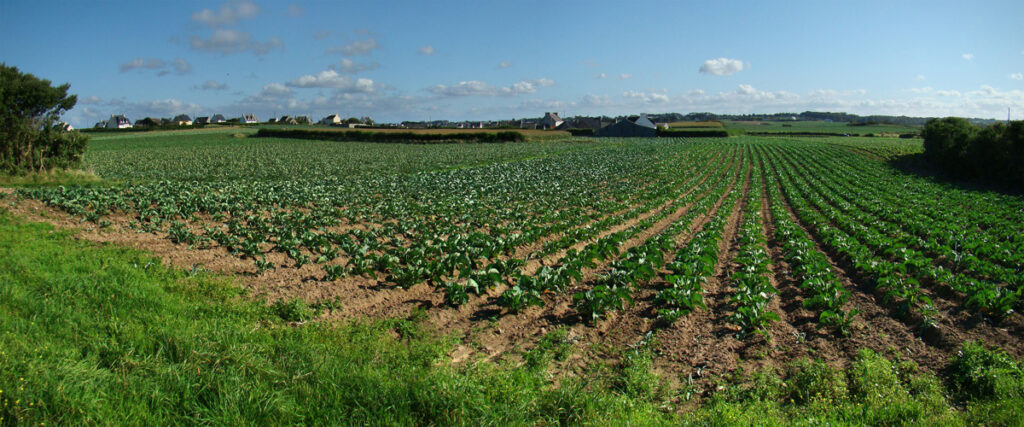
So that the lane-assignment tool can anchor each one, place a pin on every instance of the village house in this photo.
(217, 118)
(331, 120)
(182, 120)
(249, 118)
(118, 121)
(202, 120)
(550, 121)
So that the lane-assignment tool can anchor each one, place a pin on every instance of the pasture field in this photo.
(673, 280)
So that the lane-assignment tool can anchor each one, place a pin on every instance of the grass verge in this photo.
(52, 178)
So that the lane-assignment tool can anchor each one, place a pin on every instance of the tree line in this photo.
(994, 152)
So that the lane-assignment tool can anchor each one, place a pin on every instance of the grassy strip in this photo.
(105, 335)
(393, 137)
(52, 178)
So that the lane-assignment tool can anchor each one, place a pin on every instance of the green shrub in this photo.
(979, 373)
(293, 310)
(812, 381)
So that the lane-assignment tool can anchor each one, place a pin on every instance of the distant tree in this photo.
(945, 140)
(31, 139)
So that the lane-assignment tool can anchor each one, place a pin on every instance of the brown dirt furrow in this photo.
(702, 344)
(879, 326)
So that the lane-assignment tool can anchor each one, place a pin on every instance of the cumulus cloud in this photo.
(229, 13)
(226, 41)
(602, 76)
(947, 93)
(695, 92)
(349, 66)
(140, 63)
(479, 88)
(358, 47)
(722, 66)
(211, 85)
(90, 100)
(592, 100)
(504, 64)
(967, 56)
(177, 66)
(1017, 76)
(276, 90)
(331, 79)
(181, 66)
(426, 50)
(624, 76)
(645, 97)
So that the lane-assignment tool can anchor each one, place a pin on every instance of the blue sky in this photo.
(456, 60)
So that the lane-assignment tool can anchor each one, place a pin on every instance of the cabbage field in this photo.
(727, 253)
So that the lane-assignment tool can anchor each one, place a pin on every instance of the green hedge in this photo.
(687, 133)
(995, 152)
(392, 137)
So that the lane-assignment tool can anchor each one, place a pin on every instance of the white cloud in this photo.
(349, 66)
(211, 85)
(722, 66)
(602, 76)
(232, 41)
(331, 79)
(139, 63)
(1017, 76)
(645, 97)
(624, 76)
(426, 50)
(229, 13)
(920, 77)
(479, 88)
(695, 92)
(947, 93)
(921, 89)
(746, 90)
(967, 56)
(181, 66)
(276, 90)
(358, 47)
(177, 66)
(596, 100)
(504, 64)
(320, 35)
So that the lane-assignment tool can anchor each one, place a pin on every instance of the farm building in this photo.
(182, 119)
(550, 121)
(249, 118)
(303, 120)
(202, 120)
(332, 119)
(641, 127)
(217, 118)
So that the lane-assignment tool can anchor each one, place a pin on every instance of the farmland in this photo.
(714, 256)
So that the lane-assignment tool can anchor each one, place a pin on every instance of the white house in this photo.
(249, 118)
(118, 122)
(332, 120)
